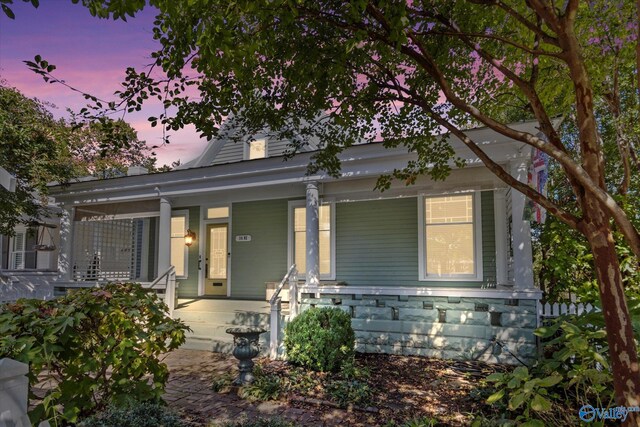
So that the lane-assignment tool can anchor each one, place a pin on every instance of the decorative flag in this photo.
(537, 178)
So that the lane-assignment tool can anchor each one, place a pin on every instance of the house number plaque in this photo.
(243, 238)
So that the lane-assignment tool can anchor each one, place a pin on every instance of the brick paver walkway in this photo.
(189, 391)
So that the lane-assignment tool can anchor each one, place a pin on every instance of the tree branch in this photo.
(521, 19)
(495, 37)
(573, 170)
(414, 98)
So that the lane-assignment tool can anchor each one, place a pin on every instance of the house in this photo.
(437, 268)
(25, 271)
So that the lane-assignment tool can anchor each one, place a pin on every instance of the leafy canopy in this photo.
(345, 72)
(39, 149)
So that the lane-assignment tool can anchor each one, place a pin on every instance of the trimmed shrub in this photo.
(136, 415)
(320, 339)
(99, 347)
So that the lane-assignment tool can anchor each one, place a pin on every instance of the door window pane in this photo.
(213, 213)
(218, 252)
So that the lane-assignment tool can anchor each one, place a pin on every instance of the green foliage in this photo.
(573, 372)
(350, 391)
(350, 387)
(562, 256)
(38, 150)
(525, 393)
(320, 339)
(415, 422)
(99, 347)
(137, 415)
(107, 148)
(33, 148)
(301, 381)
(261, 422)
(222, 383)
(264, 387)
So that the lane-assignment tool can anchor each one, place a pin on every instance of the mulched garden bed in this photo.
(398, 389)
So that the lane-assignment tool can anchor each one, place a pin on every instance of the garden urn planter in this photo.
(245, 348)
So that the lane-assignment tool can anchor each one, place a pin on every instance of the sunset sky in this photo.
(92, 55)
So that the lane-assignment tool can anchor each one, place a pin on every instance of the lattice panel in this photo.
(105, 249)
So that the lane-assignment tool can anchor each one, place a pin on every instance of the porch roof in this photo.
(359, 161)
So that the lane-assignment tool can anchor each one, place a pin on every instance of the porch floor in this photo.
(209, 319)
(222, 304)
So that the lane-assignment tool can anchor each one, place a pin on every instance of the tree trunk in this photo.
(622, 348)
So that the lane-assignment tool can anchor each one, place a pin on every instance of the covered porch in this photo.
(384, 257)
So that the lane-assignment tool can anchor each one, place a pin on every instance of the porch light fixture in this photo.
(189, 238)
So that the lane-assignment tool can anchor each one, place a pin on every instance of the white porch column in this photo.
(312, 234)
(164, 236)
(65, 256)
(521, 231)
(500, 219)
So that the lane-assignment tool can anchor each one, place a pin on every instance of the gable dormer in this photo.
(230, 147)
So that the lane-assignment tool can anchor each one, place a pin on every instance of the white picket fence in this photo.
(558, 309)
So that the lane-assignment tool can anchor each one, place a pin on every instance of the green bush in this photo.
(320, 339)
(136, 415)
(573, 372)
(100, 347)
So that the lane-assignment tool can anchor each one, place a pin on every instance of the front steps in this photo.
(209, 319)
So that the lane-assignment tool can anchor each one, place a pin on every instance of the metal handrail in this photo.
(170, 289)
(166, 273)
(275, 295)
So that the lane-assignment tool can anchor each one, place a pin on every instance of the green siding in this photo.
(264, 258)
(189, 286)
(488, 237)
(377, 243)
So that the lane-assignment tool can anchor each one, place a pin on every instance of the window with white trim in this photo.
(21, 253)
(257, 149)
(450, 238)
(326, 237)
(179, 251)
(16, 255)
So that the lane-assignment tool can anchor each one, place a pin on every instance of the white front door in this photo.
(216, 260)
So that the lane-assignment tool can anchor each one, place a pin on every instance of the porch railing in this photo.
(167, 280)
(276, 308)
